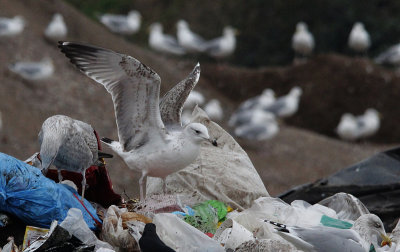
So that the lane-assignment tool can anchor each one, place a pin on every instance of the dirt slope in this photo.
(294, 156)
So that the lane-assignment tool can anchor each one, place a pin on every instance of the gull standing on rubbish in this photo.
(30, 70)
(223, 46)
(367, 229)
(163, 42)
(122, 24)
(57, 29)
(302, 40)
(256, 125)
(150, 142)
(287, 105)
(359, 40)
(189, 40)
(69, 145)
(11, 26)
(214, 110)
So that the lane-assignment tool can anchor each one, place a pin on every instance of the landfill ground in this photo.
(305, 149)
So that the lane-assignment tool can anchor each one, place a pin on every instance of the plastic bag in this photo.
(75, 225)
(115, 234)
(35, 199)
(231, 234)
(181, 236)
(224, 173)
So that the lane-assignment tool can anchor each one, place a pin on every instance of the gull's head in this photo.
(268, 93)
(230, 31)
(296, 91)
(371, 229)
(301, 26)
(156, 27)
(182, 24)
(372, 112)
(358, 26)
(197, 131)
(35, 160)
(58, 17)
(134, 16)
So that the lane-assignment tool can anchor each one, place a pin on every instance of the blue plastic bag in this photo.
(35, 199)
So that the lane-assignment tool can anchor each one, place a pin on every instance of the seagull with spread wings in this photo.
(150, 142)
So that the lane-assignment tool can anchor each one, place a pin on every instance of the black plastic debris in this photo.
(58, 239)
(151, 242)
(375, 181)
(11, 226)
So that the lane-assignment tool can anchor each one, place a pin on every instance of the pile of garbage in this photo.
(218, 203)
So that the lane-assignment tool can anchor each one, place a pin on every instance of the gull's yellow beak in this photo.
(386, 240)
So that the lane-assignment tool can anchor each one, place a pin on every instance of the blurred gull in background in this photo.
(390, 57)
(33, 70)
(256, 125)
(57, 29)
(363, 126)
(287, 105)
(223, 46)
(214, 110)
(367, 229)
(266, 98)
(302, 40)
(359, 40)
(11, 26)
(163, 42)
(187, 39)
(194, 98)
(122, 24)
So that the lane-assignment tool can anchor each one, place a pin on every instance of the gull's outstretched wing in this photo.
(172, 103)
(134, 88)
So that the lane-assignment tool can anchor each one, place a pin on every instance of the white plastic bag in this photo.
(224, 173)
(76, 225)
(182, 237)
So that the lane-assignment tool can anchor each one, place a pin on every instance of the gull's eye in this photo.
(378, 225)
(197, 131)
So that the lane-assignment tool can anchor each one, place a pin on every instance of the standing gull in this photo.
(122, 24)
(389, 57)
(57, 29)
(69, 145)
(367, 229)
(163, 42)
(214, 110)
(359, 40)
(11, 26)
(223, 46)
(355, 127)
(302, 40)
(152, 143)
(33, 70)
(287, 105)
(188, 39)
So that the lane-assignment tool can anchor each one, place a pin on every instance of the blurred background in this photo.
(334, 79)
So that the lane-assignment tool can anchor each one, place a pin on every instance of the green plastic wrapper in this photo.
(332, 222)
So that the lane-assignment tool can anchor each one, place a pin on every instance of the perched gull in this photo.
(163, 42)
(359, 40)
(214, 110)
(145, 144)
(57, 29)
(189, 40)
(69, 145)
(266, 98)
(194, 98)
(33, 70)
(353, 128)
(122, 24)
(302, 40)
(261, 126)
(11, 26)
(287, 105)
(390, 57)
(223, 46)
(367, 229)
